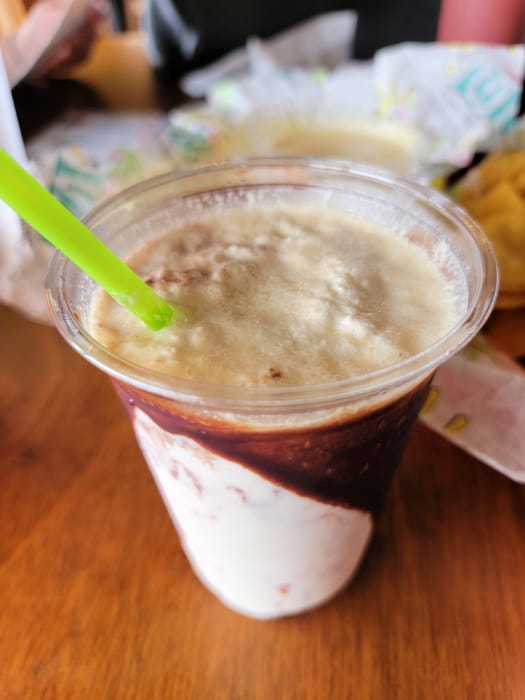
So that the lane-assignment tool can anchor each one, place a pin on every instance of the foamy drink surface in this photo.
(282, 296)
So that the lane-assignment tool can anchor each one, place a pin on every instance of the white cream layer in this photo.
(264, 551)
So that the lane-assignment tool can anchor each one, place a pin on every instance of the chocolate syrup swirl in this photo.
(347, 462)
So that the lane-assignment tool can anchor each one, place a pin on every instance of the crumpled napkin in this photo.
(324, 40)
(23, 256)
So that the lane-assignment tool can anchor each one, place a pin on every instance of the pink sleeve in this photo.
(483, 21)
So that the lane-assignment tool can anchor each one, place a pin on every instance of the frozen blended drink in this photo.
(318, 299)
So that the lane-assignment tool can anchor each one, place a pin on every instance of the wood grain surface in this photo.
(98, 601)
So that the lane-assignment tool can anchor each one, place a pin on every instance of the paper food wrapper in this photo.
(88, 156)
(438, 101)
(444, 99)
(458, 95)
(477, 401)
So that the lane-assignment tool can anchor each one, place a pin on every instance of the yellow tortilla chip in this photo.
(519, 183)
(507, 234)
(507, 300)
(502, 198)
(494, 194)
(498, 167)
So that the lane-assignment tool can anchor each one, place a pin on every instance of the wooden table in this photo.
(98, 601)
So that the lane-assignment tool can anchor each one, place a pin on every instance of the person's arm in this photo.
(12, 14)
(483, 21)
(27, 51)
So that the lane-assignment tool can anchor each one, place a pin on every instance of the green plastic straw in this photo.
(50, 219)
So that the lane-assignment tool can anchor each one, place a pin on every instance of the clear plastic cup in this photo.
(275, 491)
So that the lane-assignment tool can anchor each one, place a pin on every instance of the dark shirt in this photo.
(185, 34)
(388, 22)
